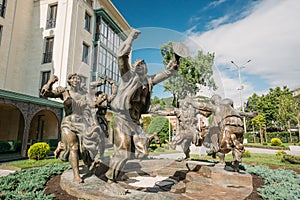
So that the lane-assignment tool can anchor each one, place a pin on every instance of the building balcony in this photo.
(47, 57)
(2, 10)
(51, 23)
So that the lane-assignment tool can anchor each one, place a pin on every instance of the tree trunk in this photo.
(289, 128)
(299, 131)
(266, 136)
(254, 135)
(261, 135)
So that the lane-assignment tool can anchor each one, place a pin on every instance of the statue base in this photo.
(162, 179)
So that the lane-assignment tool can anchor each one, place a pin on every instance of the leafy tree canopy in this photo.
(192, 71)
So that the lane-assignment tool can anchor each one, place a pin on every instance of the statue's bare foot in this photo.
(78, 180)
(171, 145)
(115, 189)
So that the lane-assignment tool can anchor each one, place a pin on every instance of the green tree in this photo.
(192, 71)
(260, 121)
(160, 125)
(296, 114)
(268, 104)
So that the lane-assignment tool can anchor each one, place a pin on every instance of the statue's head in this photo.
(74, 80)
(140, 67)
(101, 96)
(227, 101)
(215, 99)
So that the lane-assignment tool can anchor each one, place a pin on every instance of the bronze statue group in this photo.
(85, 127)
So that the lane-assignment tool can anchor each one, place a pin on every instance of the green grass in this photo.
(255, 159)
(286, 145)
(23, 164)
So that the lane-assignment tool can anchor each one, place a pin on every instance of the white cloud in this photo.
(269, 36)
(214, 4)
(217, 22)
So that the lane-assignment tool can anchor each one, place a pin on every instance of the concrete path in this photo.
(5, 172)
(202, 151)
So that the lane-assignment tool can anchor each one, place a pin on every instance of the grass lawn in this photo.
(286, 146)
(256, 159)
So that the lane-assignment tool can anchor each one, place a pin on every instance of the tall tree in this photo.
(260, 121)
(191, 72)
(268, 104)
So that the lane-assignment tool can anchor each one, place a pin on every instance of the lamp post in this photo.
(241, 88)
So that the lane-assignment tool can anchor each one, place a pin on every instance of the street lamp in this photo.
(241, 88)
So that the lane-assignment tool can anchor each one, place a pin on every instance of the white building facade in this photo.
(39, 38)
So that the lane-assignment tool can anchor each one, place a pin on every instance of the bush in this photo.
(38, 151)
(160, 125)
(246, 154)
(284, 136)
(280, 153)
(291, 159)
(276, 142)
(265, 143)
(4, 146)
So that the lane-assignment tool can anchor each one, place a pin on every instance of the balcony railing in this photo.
(51, 23)
(47, 58)
(2, 10)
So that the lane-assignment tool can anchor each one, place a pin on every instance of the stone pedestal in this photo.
(164, 179)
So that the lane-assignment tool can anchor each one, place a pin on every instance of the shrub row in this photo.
(283, 136)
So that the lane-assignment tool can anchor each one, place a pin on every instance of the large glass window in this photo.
(105, 52)
(51, 20)
(2, 8)
(48, 51)
(85, 53)
(87, 22)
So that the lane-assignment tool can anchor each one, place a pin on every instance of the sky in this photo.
(265, 32)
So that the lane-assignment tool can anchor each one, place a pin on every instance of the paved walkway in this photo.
(202, 151)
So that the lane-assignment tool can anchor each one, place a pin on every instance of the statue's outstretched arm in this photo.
(124, 51)
(47, 89)
(169, 71)
(247, 114)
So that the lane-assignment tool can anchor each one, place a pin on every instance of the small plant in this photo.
(265, 143)
(279, 184)
(276, 142)
(38, 151)
(291, 159)
(280, 153)
(246, 154)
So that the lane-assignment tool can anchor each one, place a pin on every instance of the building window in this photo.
(87, 22)
(51, 19)
(1, 29)
(104, 58)
(47, 57)
(85, 53)
(44, 79)
(2, 8)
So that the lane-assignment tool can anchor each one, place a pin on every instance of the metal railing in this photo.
(51, 23)
(2, 10)
(47, 57)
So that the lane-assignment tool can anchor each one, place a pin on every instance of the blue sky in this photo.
(265, 31)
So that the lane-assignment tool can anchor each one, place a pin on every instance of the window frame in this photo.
(3, 8)
(1, 32)
(87, 21)
(44, 80)
(85, 53)
(52, 15)
(48, 45)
